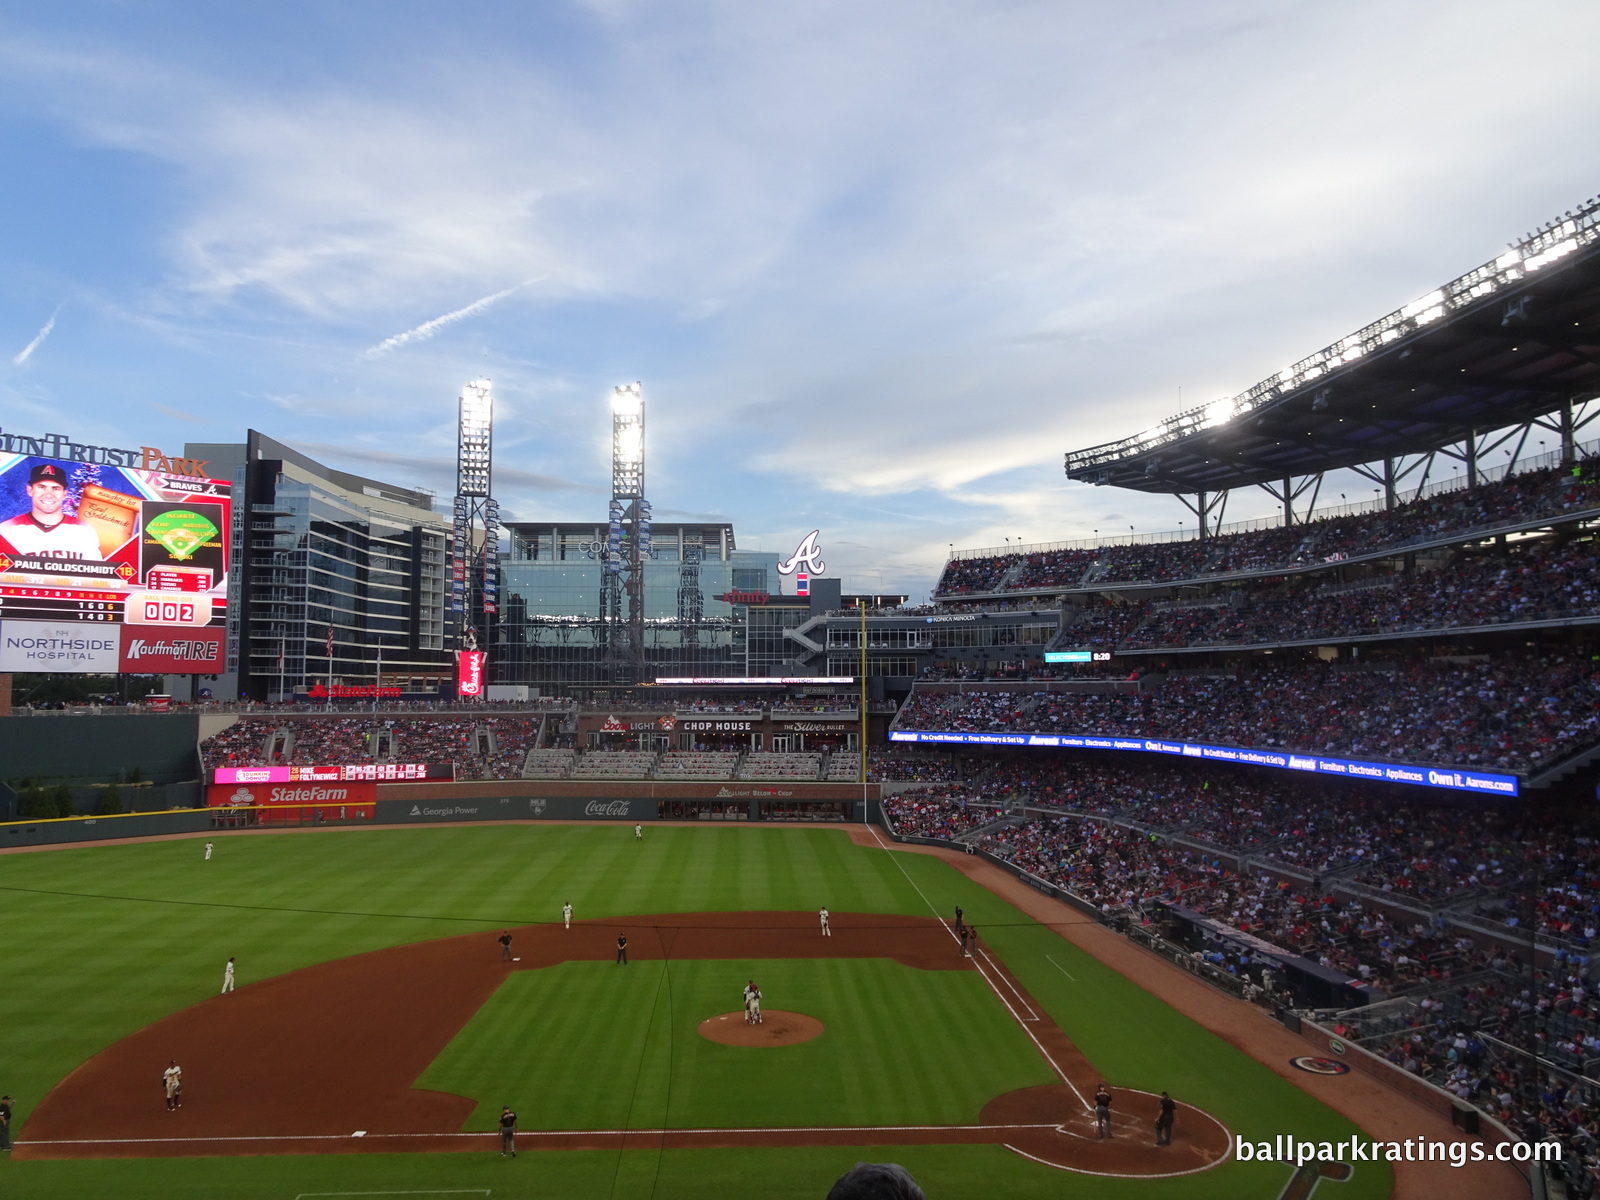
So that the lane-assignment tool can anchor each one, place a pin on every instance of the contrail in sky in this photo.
(428, 328)
(38, 340)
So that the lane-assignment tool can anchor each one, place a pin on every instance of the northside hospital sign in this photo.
(1349, 768)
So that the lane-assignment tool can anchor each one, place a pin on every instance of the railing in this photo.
(1454, 483)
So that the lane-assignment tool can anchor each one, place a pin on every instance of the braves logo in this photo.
(806, 555)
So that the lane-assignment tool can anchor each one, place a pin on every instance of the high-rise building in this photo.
(697, 591)
(339, 580)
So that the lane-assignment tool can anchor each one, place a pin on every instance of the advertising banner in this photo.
(379, 772)
(175, 652)
(95, 543)
(1449, 778)
(298, 802)
(317, 794)
(67, 646)
(471, 673)
(520, 808)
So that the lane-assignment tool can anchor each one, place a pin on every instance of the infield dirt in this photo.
(322, 1060)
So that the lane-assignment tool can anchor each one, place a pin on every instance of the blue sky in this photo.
(877, 266)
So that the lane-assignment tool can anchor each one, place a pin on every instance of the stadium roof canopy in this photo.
(1516, 339)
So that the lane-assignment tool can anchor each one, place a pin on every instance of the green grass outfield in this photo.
(99, 941)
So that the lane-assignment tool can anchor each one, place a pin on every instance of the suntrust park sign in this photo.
(1451, 779)
(58, 445)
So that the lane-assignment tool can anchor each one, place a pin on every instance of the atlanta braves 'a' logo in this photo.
(806, 555)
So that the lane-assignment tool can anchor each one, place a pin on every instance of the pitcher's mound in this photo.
(777, 1028)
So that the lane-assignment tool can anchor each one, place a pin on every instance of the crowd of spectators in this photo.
(1529, 496)
(1521, 1045)
(336, 741)
(1512, 712)
(1535, 583)
(908, 764)
(936, 812)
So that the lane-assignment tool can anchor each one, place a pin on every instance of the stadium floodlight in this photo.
(1545, 245)
(1218, 412)
(627, 442)
(474, 439)
(627, 399)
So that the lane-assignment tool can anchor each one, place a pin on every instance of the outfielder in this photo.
(827, 930)
(752, 1004)
(638, 833)
(172, 1085)
(566, 913)
(508, 1132)
(208, 851)
(227, 978)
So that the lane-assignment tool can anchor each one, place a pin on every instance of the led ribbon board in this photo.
(1451, 779)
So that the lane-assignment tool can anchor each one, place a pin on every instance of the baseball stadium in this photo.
(1252, 860)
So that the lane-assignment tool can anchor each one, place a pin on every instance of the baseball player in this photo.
(1169, 1109)
(208, 851)
(827, 930)
(505, 945)
(638, 833)
(45, 530)
(1102, 1111)
(622, 948)
(752, 1004)
(172, 1084)
(508, 1132)
(227, 977)
(566, 913)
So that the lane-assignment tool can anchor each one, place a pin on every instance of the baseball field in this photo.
(377, 1031)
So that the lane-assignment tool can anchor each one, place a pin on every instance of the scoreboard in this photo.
(107, 568)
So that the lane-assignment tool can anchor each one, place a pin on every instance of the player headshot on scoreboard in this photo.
(45, 530)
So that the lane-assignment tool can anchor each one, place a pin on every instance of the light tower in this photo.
(628, 543)
(475, 563)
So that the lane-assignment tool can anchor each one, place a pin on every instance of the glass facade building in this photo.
(320, 550)
(550, 635)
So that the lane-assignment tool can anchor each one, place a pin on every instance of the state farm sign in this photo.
(323, 795)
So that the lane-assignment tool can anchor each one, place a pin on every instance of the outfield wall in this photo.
(100, 746)
(626, 789)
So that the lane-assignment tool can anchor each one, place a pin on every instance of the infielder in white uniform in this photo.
(752, 1004)
(172, 1085)
(566, 913)
(227, 978)
(45, 530)
(827, 930)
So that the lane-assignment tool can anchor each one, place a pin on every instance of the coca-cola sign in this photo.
(606, 808)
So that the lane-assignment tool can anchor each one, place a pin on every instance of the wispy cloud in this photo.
(26, 352)
(428, 328)
(177, 413)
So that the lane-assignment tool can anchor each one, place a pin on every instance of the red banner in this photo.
(298, 801)
(471, 673)
(148, 651)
